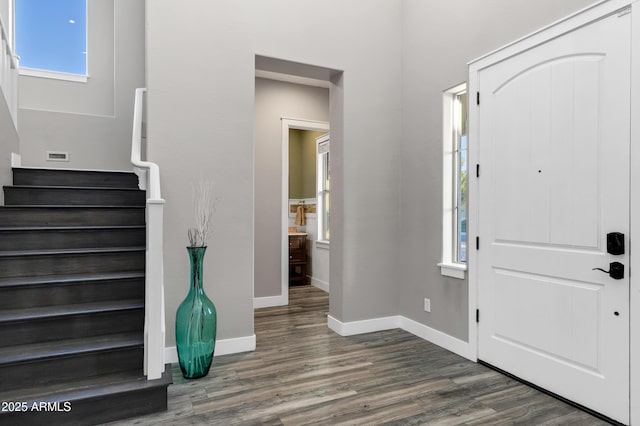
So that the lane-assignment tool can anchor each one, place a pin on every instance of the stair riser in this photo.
(56, 199)
(60, 196)
(60, 216)
(62, 369)
(48, 294)
(71, 327)
(41, 177)
(58, 239)
(93, 411)
(23, 266)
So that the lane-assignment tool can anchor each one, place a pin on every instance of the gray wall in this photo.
(92, 121)
(8, 144)
(385, 109)
(201, 122)
(8, 134)
(7, 19)
(435, 55)
(274, 100)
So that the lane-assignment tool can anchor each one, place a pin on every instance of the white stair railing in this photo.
(8, 73)
(149, 180)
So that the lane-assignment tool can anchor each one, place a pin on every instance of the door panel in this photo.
(554, 149)
(576, 334)
(565, 151)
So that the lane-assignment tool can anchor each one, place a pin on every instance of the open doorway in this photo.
(275, 101)
(305, 244)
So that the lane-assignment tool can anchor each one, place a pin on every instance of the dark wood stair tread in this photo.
(62, 348)
(71, 278)
(70, 206)
(49, 252)
(85, 388)
(71, 228)
(54, 311)
(82, 188)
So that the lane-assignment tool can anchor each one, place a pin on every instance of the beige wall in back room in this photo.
(295, 164)
(309, 188)
(302, 163)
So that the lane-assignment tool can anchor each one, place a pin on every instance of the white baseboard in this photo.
(270, 301)
(364, 326)
(422, 331)
(170, 355)
(223, 347)
(16, 160)
(322, 285)
(450, 343)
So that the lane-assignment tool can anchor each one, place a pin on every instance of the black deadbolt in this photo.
(615, 243)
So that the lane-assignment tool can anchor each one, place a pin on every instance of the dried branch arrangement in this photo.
(204, 207)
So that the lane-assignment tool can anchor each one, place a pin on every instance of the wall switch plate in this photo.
(427, 305)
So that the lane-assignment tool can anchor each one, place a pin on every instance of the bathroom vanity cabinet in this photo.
(297, 258)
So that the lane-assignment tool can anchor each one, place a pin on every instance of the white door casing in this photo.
(287, 124)
(553, 144)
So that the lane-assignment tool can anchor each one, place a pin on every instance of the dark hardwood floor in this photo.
(303, 373)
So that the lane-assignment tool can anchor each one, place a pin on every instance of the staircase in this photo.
(72, 264)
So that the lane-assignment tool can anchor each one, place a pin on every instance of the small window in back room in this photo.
(324, 184)
(51, 37)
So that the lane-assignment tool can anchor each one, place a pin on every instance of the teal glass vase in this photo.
(196, 322)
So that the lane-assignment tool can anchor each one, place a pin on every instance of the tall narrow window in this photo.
(460, 170)
(324, 179)
(455, 167)
(51, 38)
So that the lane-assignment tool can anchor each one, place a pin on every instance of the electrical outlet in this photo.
(427, 305)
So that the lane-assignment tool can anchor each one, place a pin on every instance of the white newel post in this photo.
(154, 324)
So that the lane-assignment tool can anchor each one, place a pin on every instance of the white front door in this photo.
(554, 180)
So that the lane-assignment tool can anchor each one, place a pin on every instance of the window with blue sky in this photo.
(460, 179)
(52, 35)
(454, 179)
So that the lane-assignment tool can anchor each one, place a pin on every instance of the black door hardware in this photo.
(616, 270)
(615, 243)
